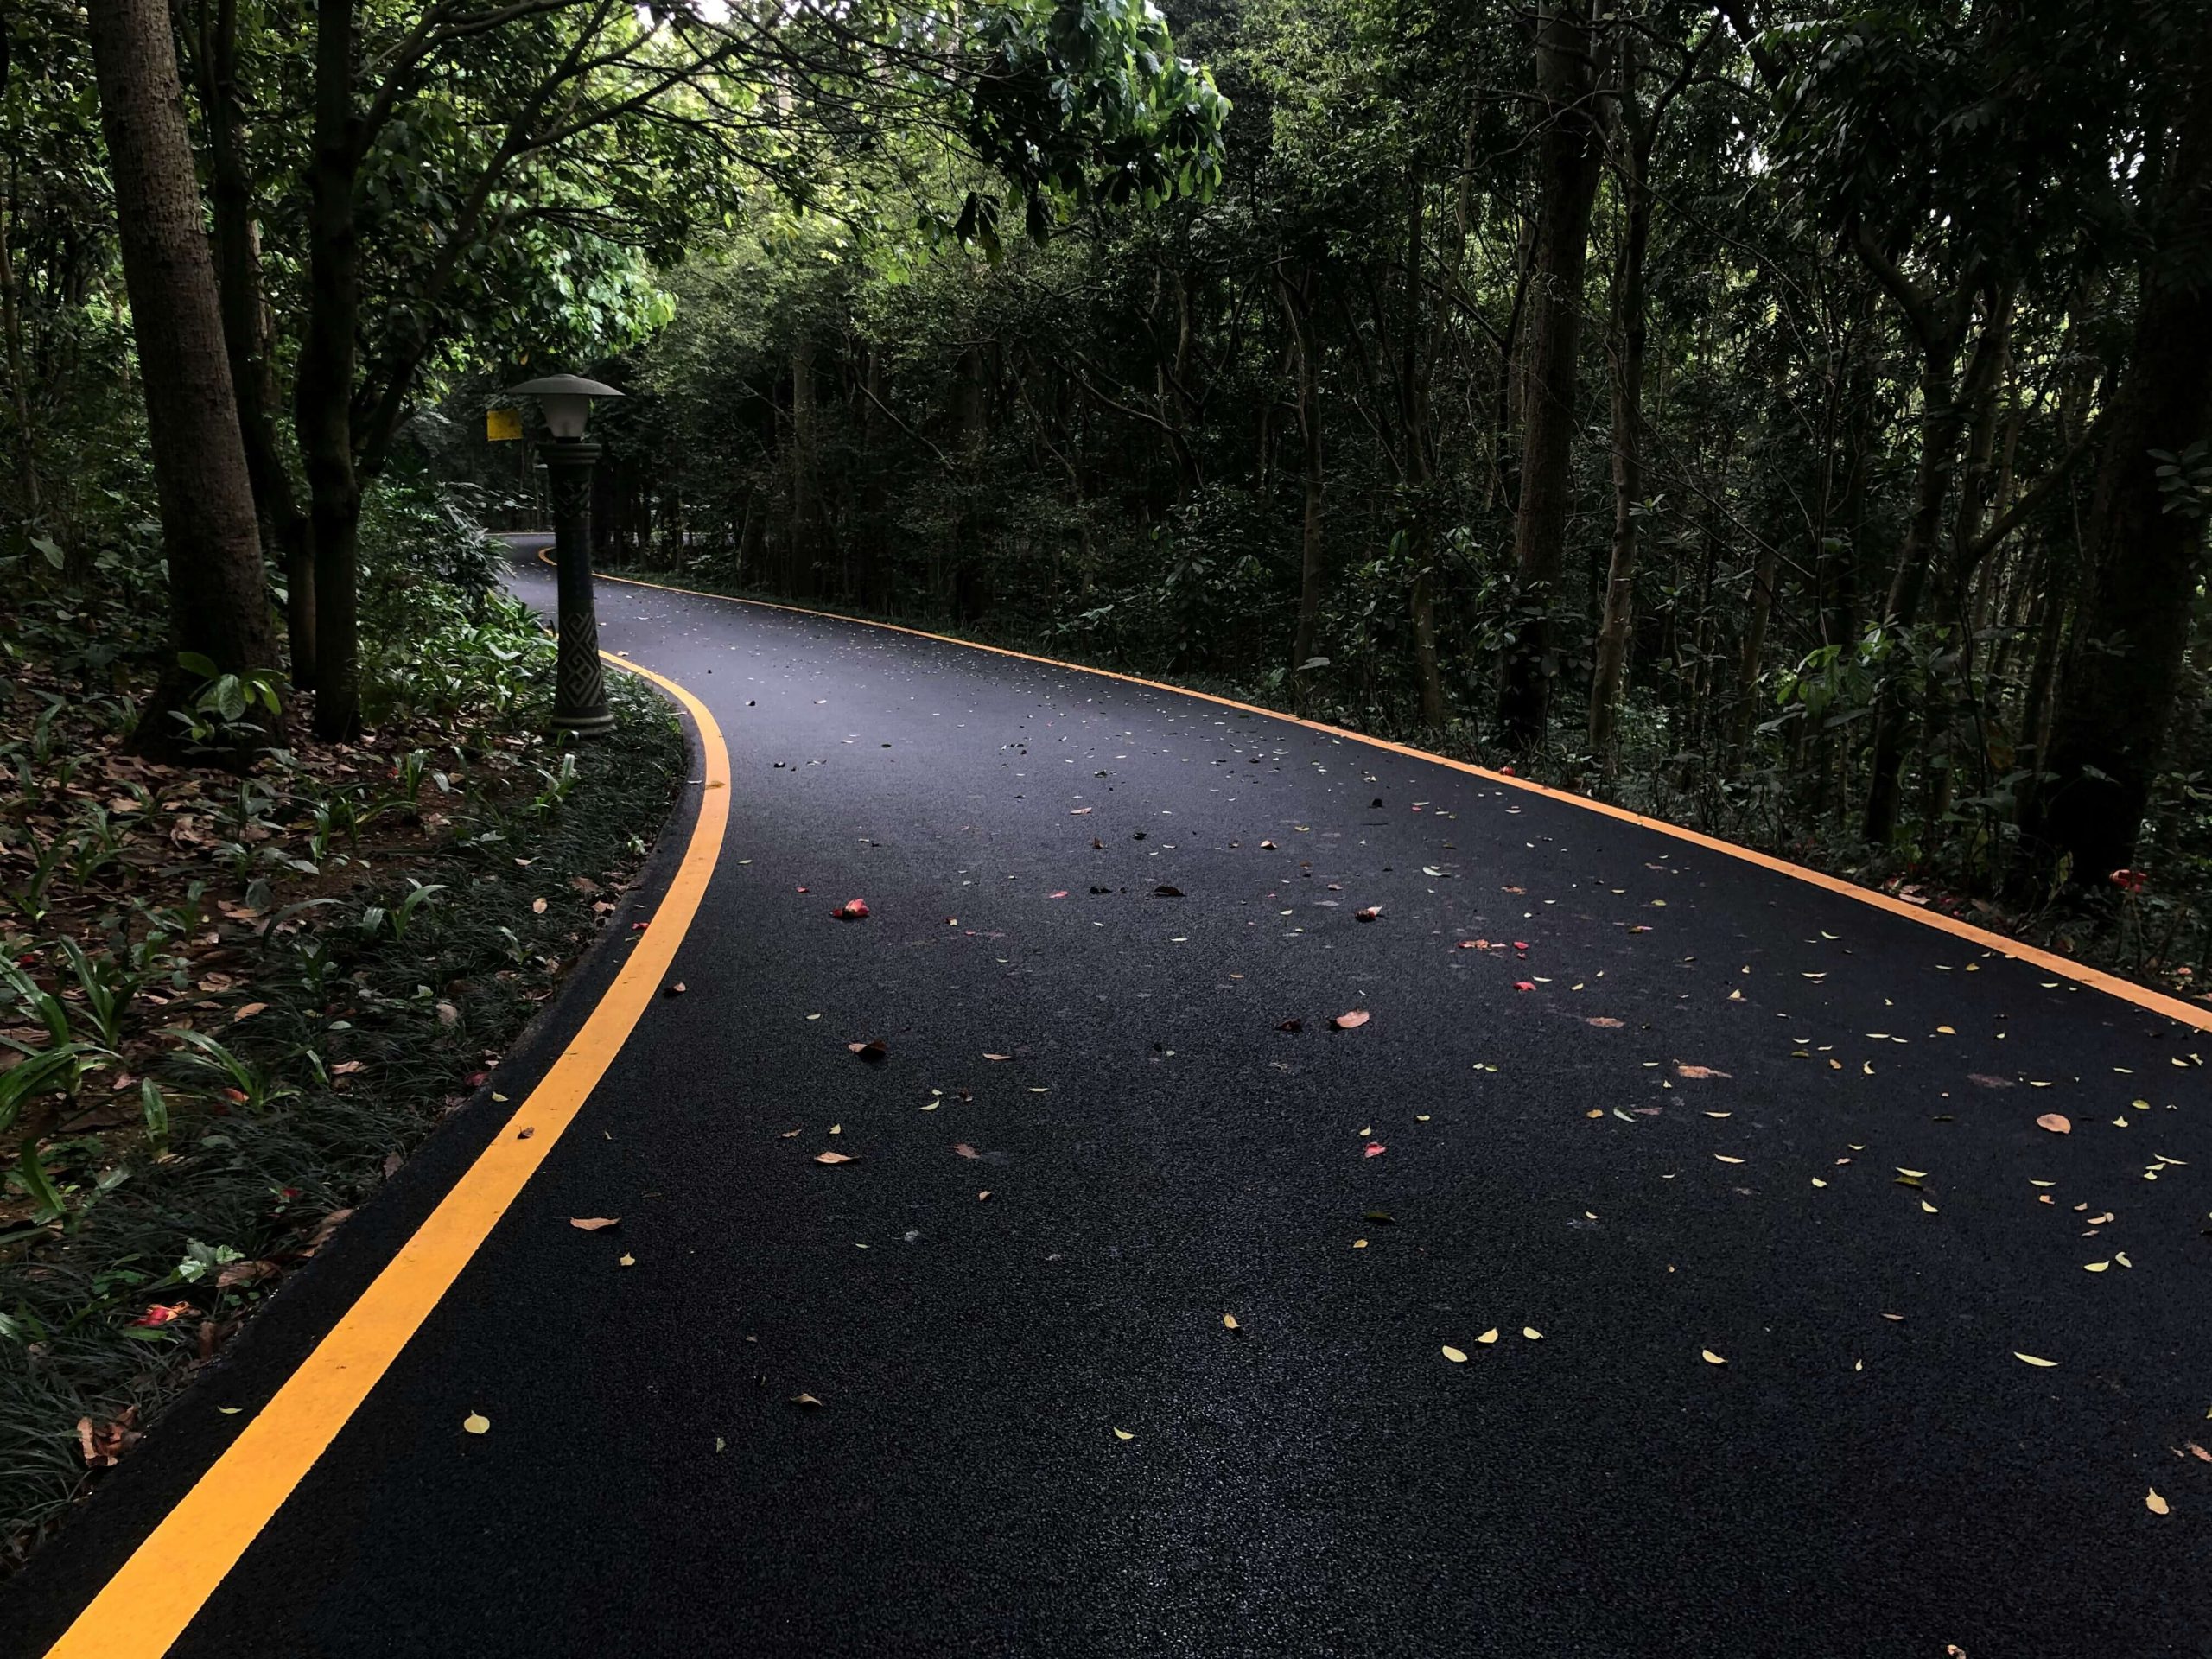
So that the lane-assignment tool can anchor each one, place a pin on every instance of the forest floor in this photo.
(241, 999)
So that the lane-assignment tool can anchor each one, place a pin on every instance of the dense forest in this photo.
(1788, 417)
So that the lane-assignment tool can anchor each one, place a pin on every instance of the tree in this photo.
(1569, 151)
(219, 606)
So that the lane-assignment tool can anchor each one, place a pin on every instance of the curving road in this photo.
(1662, 1120)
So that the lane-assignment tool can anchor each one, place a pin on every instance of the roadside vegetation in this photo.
(237, 990)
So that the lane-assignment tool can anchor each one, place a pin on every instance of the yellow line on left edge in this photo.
(147, 1604)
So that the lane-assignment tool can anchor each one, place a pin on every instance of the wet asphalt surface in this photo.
(1663, 1105)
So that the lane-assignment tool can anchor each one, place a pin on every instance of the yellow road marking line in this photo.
(147, 1604)
(2173, 1008)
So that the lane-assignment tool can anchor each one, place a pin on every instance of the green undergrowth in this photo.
(232, 1000)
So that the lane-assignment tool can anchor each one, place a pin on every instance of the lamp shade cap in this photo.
(558, 385)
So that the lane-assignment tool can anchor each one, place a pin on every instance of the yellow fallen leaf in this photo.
(1532, 1333)
(998, 1056)
(2156, 1504)
(2030, 1359)
(1123, 1435)
(1725, 1158)
(1719, 1113)
(1488, 1336)
(1712, 1358)
(1458, 1357)
(1929, 1207)
(476, 1423)
(1359, 1243)
(1946, 1031)
(628, 1260)
(2121, 1256)
(1228, 1320)
(1817, 1181)
(2094, 1267)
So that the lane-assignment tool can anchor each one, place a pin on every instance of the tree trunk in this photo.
(1567, 158)
(219, 601)
(323, 394)
(805, 521)
(11, 333)
(246, 328)
(1297, 305)
(1617, 624)
(2115, 699)
(1413, 414)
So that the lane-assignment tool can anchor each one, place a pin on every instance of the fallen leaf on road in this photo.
(627, 1261)
(1123, 1435)
(248, 1012)
(1699, 1071)
(2030, 1359)
(1163, 891)
(1374, 1149)
(1523, 985)
(1488, 1336)
(1712, 1358)
(1455, 1355)
(1369, 914)
(600, 1224)
(806, 1400)
(2054, 1123)
(831, 1158)
(1062, 894)
(962, 1149)
(1351, 1022)
(537, 906)
(2199, 1453)
(1604, 1020)
(1532, 1333)
(1229, 1322)
(476, 1423)
(1725, 1158)
(1293, 1024)
(998, 1056)
(853, 910)
(873, 1050)
(2153, 1502)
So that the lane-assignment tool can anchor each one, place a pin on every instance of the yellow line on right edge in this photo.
(146, 1606)
(2172, 1007)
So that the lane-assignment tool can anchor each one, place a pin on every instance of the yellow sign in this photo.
(500, 424)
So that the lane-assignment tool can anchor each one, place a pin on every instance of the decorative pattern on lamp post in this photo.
(579, 683)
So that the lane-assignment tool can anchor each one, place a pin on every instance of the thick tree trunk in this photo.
(323, 394)
(805, 519)
(2115, 699)
(1568, 159)
(219, 601)
(246, 328)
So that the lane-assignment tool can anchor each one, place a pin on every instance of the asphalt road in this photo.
(1663, 1118)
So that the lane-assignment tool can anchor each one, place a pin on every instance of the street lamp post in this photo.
(579, 685)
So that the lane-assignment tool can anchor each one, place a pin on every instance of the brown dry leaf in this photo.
(962, 1149)
(248, 1012)
(1292, 1024)
(1699, 1071)
(600, 1224)
(998, 1056)
(1604, 1020)
(806, 1400)
(2199, 1453)
(871, 1051)
(2156, 1504)
(1351, 1022)
(2055, 1124)
(1369, 914)
(831, 1158)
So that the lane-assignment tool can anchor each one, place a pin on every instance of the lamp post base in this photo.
(596, 725)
